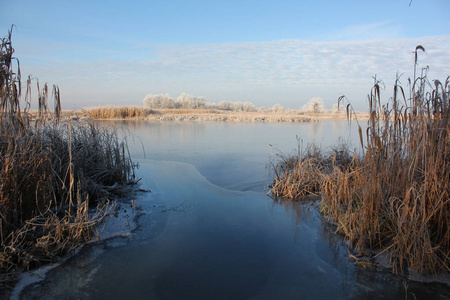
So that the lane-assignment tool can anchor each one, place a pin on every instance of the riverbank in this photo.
(394, 194)
(119, 225)
(57, 177)
(143, 113)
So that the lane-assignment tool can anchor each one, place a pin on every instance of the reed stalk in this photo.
(394, 197)
(52, 174)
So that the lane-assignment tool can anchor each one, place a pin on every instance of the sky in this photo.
(266, 52)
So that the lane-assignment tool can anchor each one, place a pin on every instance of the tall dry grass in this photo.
(395, 196)
(51, 174)
(118, 112)
(180, 114)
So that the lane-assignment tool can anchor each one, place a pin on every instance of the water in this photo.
(210, 232)
(233, 155)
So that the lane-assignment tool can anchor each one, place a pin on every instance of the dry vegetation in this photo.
(225, 116)
(394, 197)
(185, 107)
(118, 112)
(144, 113)
(51, 174)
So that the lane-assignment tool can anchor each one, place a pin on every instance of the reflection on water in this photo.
(232, 155)
(201, 239)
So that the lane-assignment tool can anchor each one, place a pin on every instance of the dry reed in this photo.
(51, 174)
(118, 112)
(179, 114)
(395, 196)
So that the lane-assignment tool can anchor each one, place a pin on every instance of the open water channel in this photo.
(209, 231)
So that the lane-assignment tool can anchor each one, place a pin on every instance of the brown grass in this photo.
(143, 113)
(302, 175)
(51, 173)
(188, 111)
(118, 112)
(395, 196)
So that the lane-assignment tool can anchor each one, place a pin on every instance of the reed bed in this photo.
(394, 197)
(52, 174)
(186, 111)
(118, 112)
(229, 117)
(145, 113)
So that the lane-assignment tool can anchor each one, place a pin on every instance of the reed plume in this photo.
(393, 197)
(52, 172)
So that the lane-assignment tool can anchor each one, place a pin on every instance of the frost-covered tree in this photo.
(338, 109)
(167, 102)
(199, 102)
(237, 106)
(158, 101)
(183, 100)
(224, 105)
(249, 107)
(315, 105)
(278, 108)
(187, 101)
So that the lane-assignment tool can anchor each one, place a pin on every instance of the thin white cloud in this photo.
(370, 31)
(286, 71)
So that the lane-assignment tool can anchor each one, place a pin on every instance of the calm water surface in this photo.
(210, 232)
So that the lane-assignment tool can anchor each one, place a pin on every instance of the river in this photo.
(208, 230)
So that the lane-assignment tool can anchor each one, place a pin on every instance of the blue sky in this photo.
(265, 52)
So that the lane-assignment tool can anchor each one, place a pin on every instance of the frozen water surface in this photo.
(210, 232)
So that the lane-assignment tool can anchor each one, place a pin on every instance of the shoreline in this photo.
(120, 222)
(199, 115)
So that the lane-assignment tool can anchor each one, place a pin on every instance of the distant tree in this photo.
(277, 108)
(315, 105)
(167, 102)
(187, 101)
(183, 100)
(237, 106)
(337, 109)
(224, 105)
(158, 101)
(199, 102)
(249, 107)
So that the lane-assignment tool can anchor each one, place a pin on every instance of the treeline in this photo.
(186, 101)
